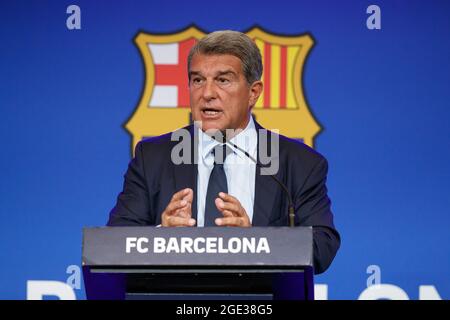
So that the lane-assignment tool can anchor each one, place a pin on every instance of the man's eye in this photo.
(223, 80)
(196, 80)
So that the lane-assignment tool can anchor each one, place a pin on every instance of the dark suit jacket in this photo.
(152, 178)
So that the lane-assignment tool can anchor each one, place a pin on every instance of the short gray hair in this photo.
(235, 43)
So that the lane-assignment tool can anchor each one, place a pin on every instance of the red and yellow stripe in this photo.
(278, 78)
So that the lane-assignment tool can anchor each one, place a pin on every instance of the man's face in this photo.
(220, 96)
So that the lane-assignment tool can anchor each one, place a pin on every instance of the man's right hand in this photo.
(178, 212)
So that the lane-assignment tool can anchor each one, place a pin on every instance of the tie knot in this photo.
(220, 153)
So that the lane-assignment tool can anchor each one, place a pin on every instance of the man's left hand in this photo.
(234, 214)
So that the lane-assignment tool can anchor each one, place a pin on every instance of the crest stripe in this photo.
(283, 77)
(292, 53)
(275, 62)
(267, 70)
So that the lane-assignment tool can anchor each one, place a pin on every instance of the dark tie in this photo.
(217, 183)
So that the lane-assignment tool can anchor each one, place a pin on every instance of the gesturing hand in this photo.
(178, 212)
(232, 210)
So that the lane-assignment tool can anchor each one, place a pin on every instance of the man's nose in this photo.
(209, 90)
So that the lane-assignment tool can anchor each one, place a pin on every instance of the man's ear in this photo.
(256, 89)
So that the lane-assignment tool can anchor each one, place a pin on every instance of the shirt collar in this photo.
(246, 140)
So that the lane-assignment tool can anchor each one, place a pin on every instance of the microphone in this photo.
(291, 210)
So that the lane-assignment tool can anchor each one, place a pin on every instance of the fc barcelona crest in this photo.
(164, 104)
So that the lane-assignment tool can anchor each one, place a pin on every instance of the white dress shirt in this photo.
(239, 169)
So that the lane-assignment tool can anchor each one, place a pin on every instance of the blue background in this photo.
(382, 97)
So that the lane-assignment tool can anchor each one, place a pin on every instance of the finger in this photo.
(236, 209)
(189, 195)
(180, 194)
(227, 213)
(179, 213)
(228, 198)
(174, 205)
(185, 212)
(174, 221)
(230, 222)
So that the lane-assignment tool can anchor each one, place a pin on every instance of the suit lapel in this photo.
(186, 173)
(265, 189)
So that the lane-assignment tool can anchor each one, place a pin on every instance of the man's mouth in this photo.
(211, 113)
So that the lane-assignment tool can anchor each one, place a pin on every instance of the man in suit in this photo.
(216, 183)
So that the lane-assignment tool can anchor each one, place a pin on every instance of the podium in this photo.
(211, 263)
